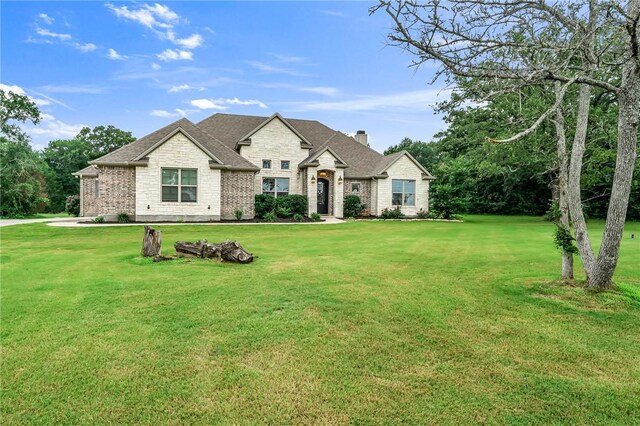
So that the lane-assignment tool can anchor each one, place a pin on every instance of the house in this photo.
(205, 171)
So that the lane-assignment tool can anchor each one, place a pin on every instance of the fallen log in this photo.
(151, 242)
(229, 251)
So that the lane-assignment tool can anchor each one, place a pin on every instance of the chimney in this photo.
(361, 136)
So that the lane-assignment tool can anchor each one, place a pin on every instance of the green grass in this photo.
(364, 323)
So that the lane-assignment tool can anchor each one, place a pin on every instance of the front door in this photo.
(323, 196)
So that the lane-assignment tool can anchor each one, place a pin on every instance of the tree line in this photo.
(41, 181)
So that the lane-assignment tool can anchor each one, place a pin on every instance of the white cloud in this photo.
(181, 88)
(320, 90)
(149, 16)
(412, 101)
(155, 66)
(85, 47)
(115, 56)
(15, 89)
(207, 104)
(175, 55)
(41, 102)
(288, 58)
(223, 104)
(64, 88)
(272, 69)
(191, 42)
(53, 128)
(46, 33)
(46, 18)
(163, 113)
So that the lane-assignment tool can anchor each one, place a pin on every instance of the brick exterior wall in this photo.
(90, 200)
(117, 191)
(365, 192)
(237, 192)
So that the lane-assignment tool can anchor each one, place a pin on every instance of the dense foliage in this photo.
(476, 176)
(353, 206)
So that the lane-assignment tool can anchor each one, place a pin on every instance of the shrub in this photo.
(238, 213)
(270, 217)
(265, 203)
(98, 219)
(298, 217)
(123, 217)
(283, 212)
(297, 204)
(553, 214)
(392, 213)
(72, 205)
(422, 214)
(352, 206)
(447, 201)
(563, 240)
(315, 217)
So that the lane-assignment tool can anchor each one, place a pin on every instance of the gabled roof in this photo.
(246, 139)
(390, 159)
(135, 152)
(89, 171)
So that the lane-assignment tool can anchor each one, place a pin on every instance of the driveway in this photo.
(12, 222)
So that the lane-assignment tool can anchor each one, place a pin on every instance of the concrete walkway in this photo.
(75, 223)
(13, 222)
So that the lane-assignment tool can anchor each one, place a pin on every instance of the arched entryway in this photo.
(323, 195)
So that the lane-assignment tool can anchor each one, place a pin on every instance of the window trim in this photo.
(404, 192)
(179, 185)
(265, 161)
(359, 187)
(275, 184)
(282, 164)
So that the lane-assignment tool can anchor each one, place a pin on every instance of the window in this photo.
(275, 186)
(266, 164)
(403, 192)
(285, 164)
(355, 187)
(179, 185)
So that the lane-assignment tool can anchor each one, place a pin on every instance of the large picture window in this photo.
(403, 192)
(179, 185)
(275, 186)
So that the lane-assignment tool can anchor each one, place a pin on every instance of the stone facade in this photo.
(117, 187)
(89, 196)
(403, 168)
(364, 194)
(177, 153)
(277, 143)
(237, 192)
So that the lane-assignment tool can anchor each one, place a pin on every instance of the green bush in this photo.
(283, 212)
(315, 217)
(238, 213)
(265, 203)
(270, 217)
(422, 214)
(123, 217)
(72, 205)
(298, 217)
(392, 213)
(352, 206)
(98, 219)
(296, 204)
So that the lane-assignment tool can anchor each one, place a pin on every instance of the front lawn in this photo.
(365, 323)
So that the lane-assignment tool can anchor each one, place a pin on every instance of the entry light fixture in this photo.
(340, 180)
(313, 178)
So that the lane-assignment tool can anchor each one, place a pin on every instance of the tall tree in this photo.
(594, 44)
(22, 172)
(104, 139)
(65, 157)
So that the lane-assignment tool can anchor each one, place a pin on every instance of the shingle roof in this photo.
(132, 151)
(87, 171)
(220, 134)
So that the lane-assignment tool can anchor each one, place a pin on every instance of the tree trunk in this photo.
(152, 242)
(573, 185)
(628, 118)
(563, 175)
(230, 251)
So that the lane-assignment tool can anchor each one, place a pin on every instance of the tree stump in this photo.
(152, 242)
(229, 251)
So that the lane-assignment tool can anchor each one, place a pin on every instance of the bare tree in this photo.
(594, 44)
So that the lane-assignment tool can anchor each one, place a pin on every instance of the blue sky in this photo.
(142, 65)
